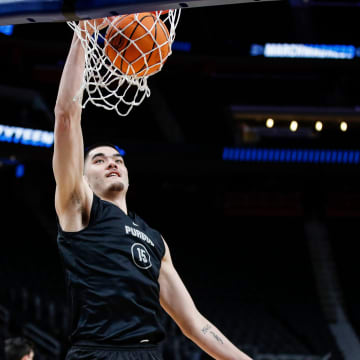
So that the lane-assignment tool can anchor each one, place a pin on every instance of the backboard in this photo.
(32, 11)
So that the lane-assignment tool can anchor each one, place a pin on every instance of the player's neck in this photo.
(119, 200)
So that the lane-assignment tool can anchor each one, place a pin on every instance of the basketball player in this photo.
(118, 269)
(19, 348)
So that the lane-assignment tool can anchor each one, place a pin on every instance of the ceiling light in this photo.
(293, 126)
(269, 123)
(343, 126)
(318, 126)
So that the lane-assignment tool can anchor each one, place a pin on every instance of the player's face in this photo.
(105, 170)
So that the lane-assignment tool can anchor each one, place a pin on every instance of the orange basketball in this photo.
(141, 47)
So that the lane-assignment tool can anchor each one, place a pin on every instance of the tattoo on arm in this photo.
(217, 338)
(206, 328)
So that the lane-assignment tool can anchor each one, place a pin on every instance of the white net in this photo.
(121, 53)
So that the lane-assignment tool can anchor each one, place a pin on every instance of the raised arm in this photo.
(73, 196)
(68, 143)
(177, 302)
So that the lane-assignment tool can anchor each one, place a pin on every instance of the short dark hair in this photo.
(17, 347)
(99, 144)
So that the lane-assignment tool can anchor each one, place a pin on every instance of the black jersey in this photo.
(111, 270)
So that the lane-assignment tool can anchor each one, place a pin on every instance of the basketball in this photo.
(137, 44)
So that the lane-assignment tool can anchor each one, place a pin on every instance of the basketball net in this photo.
(104, 85)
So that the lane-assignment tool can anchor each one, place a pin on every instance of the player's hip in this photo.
(110, 352)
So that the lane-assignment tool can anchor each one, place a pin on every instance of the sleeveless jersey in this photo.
(111, 271)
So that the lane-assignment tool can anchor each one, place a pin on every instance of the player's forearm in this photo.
(71, 80)
(68, 142)
(213, 342)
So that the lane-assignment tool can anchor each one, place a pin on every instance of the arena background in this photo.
(266, 245)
